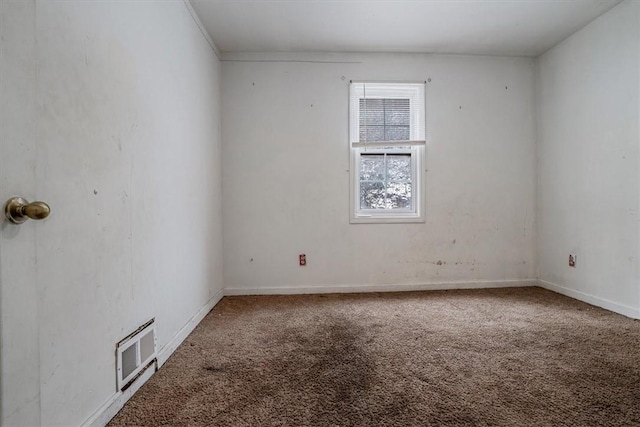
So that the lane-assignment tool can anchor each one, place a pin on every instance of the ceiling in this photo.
(480, 27)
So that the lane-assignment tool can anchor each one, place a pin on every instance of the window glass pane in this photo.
(372, 195)
(372, 167)
(371, 112)
(398, 195)
(396, 112)
(372, 133)
(399, 167)
(383, 119)
(397, 133)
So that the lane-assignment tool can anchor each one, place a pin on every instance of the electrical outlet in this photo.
(572, 260)
(302, 259)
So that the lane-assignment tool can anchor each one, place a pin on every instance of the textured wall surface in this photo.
(588, 173)
(286, 180)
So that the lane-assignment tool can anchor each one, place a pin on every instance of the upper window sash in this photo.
(414, 92)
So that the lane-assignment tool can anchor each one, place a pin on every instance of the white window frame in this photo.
(415, 147)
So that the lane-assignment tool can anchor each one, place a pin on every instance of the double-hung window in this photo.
(387, 142)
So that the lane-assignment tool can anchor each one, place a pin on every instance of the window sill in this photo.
(386, 219)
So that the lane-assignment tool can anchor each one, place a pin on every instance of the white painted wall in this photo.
(588, 172)
(286, 185)
(112, 113)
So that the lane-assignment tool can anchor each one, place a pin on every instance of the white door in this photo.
(51, 274)
(109, 112)
(19, 353)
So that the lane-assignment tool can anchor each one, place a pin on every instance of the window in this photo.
(387, 139)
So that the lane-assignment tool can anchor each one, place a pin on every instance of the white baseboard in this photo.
(110, 408)
(168, 349)
(625, 310)
(331, 289)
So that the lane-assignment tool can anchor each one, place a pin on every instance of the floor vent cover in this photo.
(135, 353)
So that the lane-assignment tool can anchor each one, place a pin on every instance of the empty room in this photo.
(319, 213)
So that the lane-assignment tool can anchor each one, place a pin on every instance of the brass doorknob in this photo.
(18, 210)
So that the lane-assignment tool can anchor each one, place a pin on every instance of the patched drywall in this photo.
(588, 100)
(286, 179)
(120, 133)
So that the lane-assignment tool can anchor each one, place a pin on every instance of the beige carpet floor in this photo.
(501, 357)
